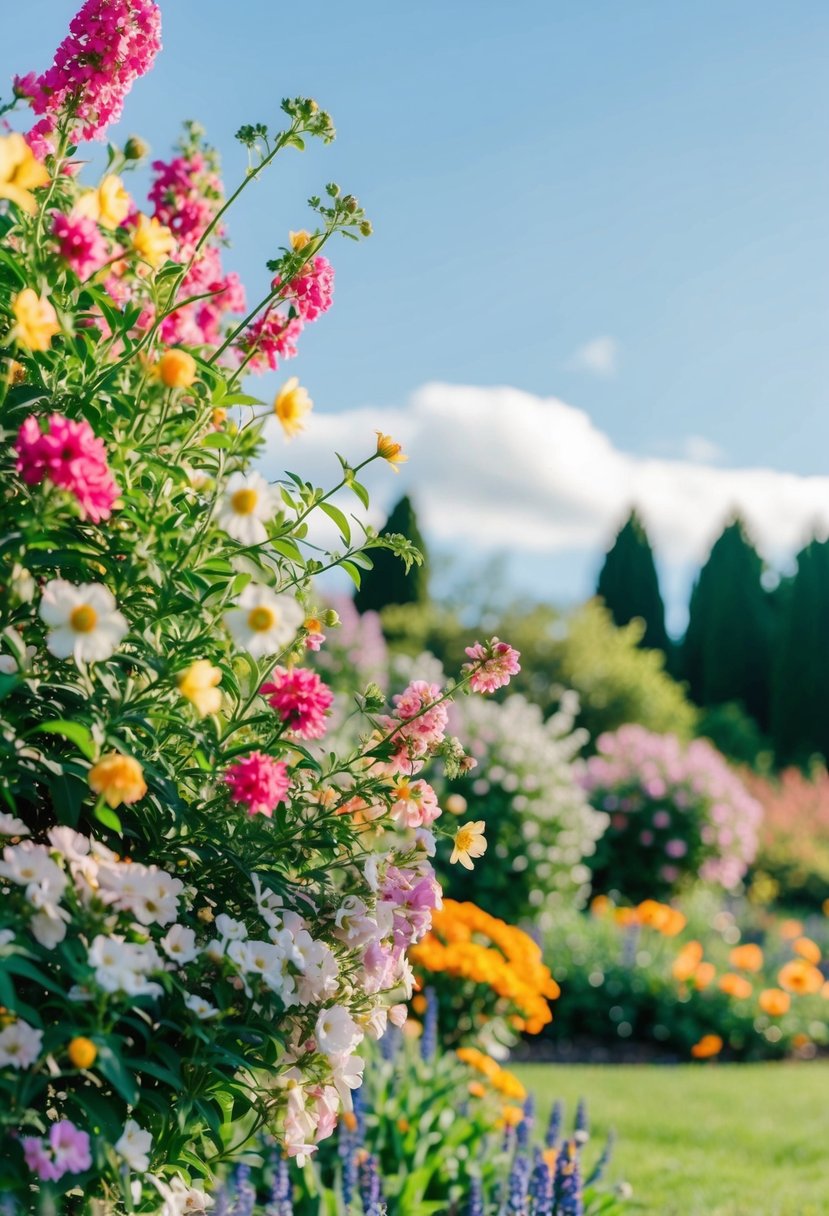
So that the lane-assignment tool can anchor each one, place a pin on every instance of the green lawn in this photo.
(706, 1140)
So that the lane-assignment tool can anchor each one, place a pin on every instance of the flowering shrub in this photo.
(200, 917)
(483, 973)
(539, 824)
(793, 851)
(653, 980)
(675, 812)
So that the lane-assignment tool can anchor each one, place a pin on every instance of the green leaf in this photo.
(116, 1072)
(352, 572)
(339, 519)
(361, 492)
(74, 732)
(108, 818)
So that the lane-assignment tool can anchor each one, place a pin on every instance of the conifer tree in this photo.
(727, 652)
(389, 582)
(629, 585)
(800, 707)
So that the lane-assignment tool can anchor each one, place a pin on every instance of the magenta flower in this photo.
(301, 699)
(272, 337)
(80, 243)
(72, 457)
(312, 291)
(65, 1152)
(258, 782)
(110, 44)
(493, 663)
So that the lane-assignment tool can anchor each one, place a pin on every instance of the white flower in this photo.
(398, 1015)
(84, 621)
(150, 894)
(246, 502)
(347, 1074)
(29, 865)
(336, 1031)
(49, 930)
(263, 622)
(6, 937)
(228, 928)
(198, 1005)
(123, 966)
(19, 1045)
(179, 944)
(10, 664)
(134, 1146)
(179, 1198)
(10, 826)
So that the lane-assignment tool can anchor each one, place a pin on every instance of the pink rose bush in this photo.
(675, 812)
(205, 901)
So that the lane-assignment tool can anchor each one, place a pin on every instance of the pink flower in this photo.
(72, 457)
(301, 699)
(312, 291)
(110, 44)
(258, 782)
(65, 1152)
(426, 719)
(492, 665)
(80, 243)
(271, 337)
(415, 804)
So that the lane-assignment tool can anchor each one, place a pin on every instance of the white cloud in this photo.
(497, 468)
(599, 356)
(700, 450)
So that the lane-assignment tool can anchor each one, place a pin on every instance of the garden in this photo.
(325, 891)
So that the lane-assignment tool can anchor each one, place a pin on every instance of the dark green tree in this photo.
(800, 705)
(389, 582)
(629, 585)
(727, 652)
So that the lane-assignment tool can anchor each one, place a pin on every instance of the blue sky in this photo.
(644, 180)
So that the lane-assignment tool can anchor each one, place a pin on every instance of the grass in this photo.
(705, 1140)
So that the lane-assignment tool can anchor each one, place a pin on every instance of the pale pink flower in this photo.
(493, 663)
(65, 1152)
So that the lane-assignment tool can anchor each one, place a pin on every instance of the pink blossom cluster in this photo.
(312, 291)
(72, 456)
(418, 727)
(659, 790)
(301, 700)
(80, 243)
(109, 45)
(274, 335)
(415, 804)
(64, 1151)
(413, 894)
(493, 663)
(186, 193)
(258, 782)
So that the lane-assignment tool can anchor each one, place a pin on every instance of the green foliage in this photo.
(390, 581)
(727, 652)
(800, 709)
(734, 733)
(629, 585)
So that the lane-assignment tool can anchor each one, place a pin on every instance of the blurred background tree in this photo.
(629, 585)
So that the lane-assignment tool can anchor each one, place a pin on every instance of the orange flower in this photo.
(747, 958)
(708, 1046)
(735, 985)
(177, 368)
(687, 961)
(790, 928)
(673, 923)
(806, 948)
(704, 975)
(511, 1116)
(82, 1052)
(775, 1002)
(800, 977)
(118, 779)
(390, 451)
(601, 905)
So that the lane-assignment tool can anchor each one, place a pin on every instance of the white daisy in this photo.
(247, 502)
(198, 1005)
(84, 621)
(19, 1045)
(134, 1147)
(263, 622)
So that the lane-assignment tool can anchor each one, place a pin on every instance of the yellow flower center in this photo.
(261, 619)
(244, 501)
(464, 839)
(84, 618)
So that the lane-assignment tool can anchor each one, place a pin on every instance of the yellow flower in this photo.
(36, 321)
(152, 241)
(469, 842)
(177, 368)
(511, 1116)
(299, 239)
(109, 205)
(20, 172)
(82, 1052)
(118, 778)
(708, 1046)
(199, 684)
(291, 404)
(390, 451)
